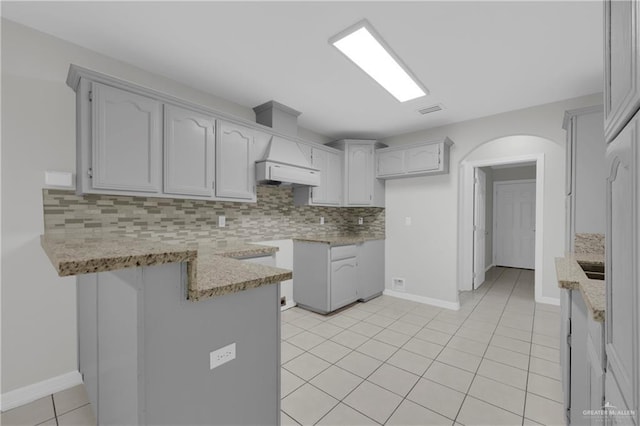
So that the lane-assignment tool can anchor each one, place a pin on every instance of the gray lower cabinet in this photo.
(371, 269)
(343, 287)
(144, 350)
(583, 362)
(328, 278)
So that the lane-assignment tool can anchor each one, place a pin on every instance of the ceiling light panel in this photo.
(362, 45)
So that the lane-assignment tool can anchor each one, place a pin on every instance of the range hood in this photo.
(284, 163)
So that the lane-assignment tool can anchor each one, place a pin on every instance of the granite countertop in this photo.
(212, 268)
(572, 277)
(343, 240)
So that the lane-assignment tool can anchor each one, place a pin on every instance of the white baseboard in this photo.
(27, 394)
(489, 267)
(290, 304)
(422, 299)
(548, 300)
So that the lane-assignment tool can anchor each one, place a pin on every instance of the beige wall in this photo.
(426, 253)
(38, 134)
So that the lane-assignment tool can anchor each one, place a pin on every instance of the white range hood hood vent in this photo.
(284, 162)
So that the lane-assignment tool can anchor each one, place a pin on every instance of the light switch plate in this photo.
(360, 221)
(321, 220)
(222, 221)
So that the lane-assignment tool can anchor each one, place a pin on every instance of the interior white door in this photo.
(479, 231)
(515, 224)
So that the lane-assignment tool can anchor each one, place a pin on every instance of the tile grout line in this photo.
(488, 343)
(434, 360)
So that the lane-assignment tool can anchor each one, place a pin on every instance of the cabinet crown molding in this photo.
(569, 114)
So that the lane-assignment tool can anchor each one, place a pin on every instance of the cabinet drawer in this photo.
(343, 252)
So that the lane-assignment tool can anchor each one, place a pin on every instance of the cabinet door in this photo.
(595, 382)
(390, 163)
(370, 269)
(622, 76)
(423, 158)
(579, 378)
(359, 175)
(126, 140)
(333, 178)
(188, 152)
(330, 190)
(344, 277)
(319, 159)
(621, 325)
(234, 166)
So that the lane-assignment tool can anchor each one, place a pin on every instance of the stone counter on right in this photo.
(571, 276)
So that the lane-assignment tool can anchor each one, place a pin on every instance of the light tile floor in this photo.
(67, 408)
(395, 362)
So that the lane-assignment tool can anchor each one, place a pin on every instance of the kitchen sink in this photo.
(594, 272)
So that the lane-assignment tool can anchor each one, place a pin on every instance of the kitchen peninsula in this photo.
(151, 316)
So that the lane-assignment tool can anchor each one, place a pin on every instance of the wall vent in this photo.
(397, 284)
(430, 109)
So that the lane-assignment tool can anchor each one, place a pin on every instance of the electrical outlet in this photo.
(222, 355)
(222, 221)
(321, 220)
(397, 284)
(360, 221)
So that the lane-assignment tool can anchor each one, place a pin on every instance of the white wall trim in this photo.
(489, 267)
(465, 217)
(548, 300)
(27, 394)
(290, 304)
(422, 299)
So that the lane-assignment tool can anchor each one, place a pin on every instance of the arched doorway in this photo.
(548, 157)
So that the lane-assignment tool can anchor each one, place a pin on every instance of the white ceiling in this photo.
(476, 58)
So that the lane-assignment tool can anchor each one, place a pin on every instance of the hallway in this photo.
(396, 362)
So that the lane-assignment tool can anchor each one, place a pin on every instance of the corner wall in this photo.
(425, 252)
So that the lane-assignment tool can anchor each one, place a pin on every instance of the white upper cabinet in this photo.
(359, 174)
(390, 163)
(235, 171)
(361, 188)
(586, 175)
(126, 140)
(329, 192)
(189, 144)
(423, 158)
(622, 76)
(330, 165)
(428, 158)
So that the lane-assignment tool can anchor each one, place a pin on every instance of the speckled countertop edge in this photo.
(571, 277)
(212, 270)
(339, 240)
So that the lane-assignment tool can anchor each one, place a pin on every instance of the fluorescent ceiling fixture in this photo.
(368, 51)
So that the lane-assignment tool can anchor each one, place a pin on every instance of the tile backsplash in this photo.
(273, 217)
(589, 243)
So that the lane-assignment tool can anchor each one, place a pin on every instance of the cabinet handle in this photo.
(90, 173)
